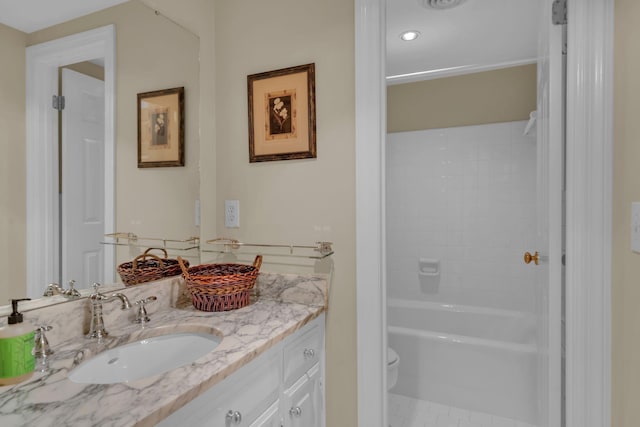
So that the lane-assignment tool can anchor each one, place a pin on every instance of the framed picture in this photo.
(161, 128)
(282, 114)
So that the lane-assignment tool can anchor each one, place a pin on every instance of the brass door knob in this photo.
(528, 258)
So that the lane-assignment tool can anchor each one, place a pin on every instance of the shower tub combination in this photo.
(476, 358)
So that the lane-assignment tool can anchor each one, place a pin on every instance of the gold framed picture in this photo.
(282, 114)
(161, 128)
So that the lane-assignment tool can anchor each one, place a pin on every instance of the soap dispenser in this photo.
(16, 348)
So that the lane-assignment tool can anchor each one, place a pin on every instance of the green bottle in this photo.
(16, 348)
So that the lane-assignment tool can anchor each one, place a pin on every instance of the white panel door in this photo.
(549, 273)
(82, 173)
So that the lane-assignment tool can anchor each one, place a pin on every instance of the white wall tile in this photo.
(470, 189)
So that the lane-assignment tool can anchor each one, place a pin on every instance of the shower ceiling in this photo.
(476, 34)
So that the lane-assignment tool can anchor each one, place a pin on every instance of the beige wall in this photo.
(152, 53)
(503, 95)
(626, 180)
(302, 200)
(12, 160)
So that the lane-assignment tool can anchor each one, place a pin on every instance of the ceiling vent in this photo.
(442, 4)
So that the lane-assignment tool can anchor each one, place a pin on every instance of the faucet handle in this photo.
(141, 315)
(72, 292)
(41, 348)
(51, 290)
(96, 288)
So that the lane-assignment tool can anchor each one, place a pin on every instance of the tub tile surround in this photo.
(467, 197)
(281, 304)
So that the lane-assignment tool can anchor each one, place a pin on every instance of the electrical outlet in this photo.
(232, 213)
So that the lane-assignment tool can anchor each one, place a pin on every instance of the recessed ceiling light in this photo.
(409, 35)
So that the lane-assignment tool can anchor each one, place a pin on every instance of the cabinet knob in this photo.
(309, 353)
(295, 412)
(234, 417)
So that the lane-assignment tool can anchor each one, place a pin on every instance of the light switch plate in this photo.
(635, 227)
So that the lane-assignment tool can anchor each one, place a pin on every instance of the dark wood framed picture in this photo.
(282, 114)
(161, 128)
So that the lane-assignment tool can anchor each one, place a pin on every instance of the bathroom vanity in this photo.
(267, 370)
(282, 387)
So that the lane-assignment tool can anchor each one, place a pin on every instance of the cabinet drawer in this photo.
(302, 353)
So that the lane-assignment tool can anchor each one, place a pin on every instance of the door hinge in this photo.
(58, 102)
(559, 12)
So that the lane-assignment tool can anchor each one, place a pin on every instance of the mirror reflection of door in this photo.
(82, 195)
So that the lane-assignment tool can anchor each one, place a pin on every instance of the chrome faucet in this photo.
(53, 289)
(97, 330)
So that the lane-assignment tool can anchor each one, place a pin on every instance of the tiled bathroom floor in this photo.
(407, 412)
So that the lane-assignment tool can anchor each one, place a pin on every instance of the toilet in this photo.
(393, 360)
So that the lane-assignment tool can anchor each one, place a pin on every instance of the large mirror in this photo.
(96, 190)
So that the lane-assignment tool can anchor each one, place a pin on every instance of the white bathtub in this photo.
(476, 358)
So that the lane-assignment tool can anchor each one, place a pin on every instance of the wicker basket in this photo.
(148, 267)
(220, 287)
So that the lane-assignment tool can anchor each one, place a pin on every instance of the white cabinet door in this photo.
(301, 408)
(270, 417)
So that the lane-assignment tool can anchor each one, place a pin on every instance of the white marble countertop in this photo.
(281, 305)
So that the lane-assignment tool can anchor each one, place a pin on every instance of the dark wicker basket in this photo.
(220, 287)
(148, 267)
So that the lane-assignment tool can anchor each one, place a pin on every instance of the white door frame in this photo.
(42, 63)
(589, 205)
(371, 298)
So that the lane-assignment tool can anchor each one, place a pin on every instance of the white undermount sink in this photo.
(144, 358)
